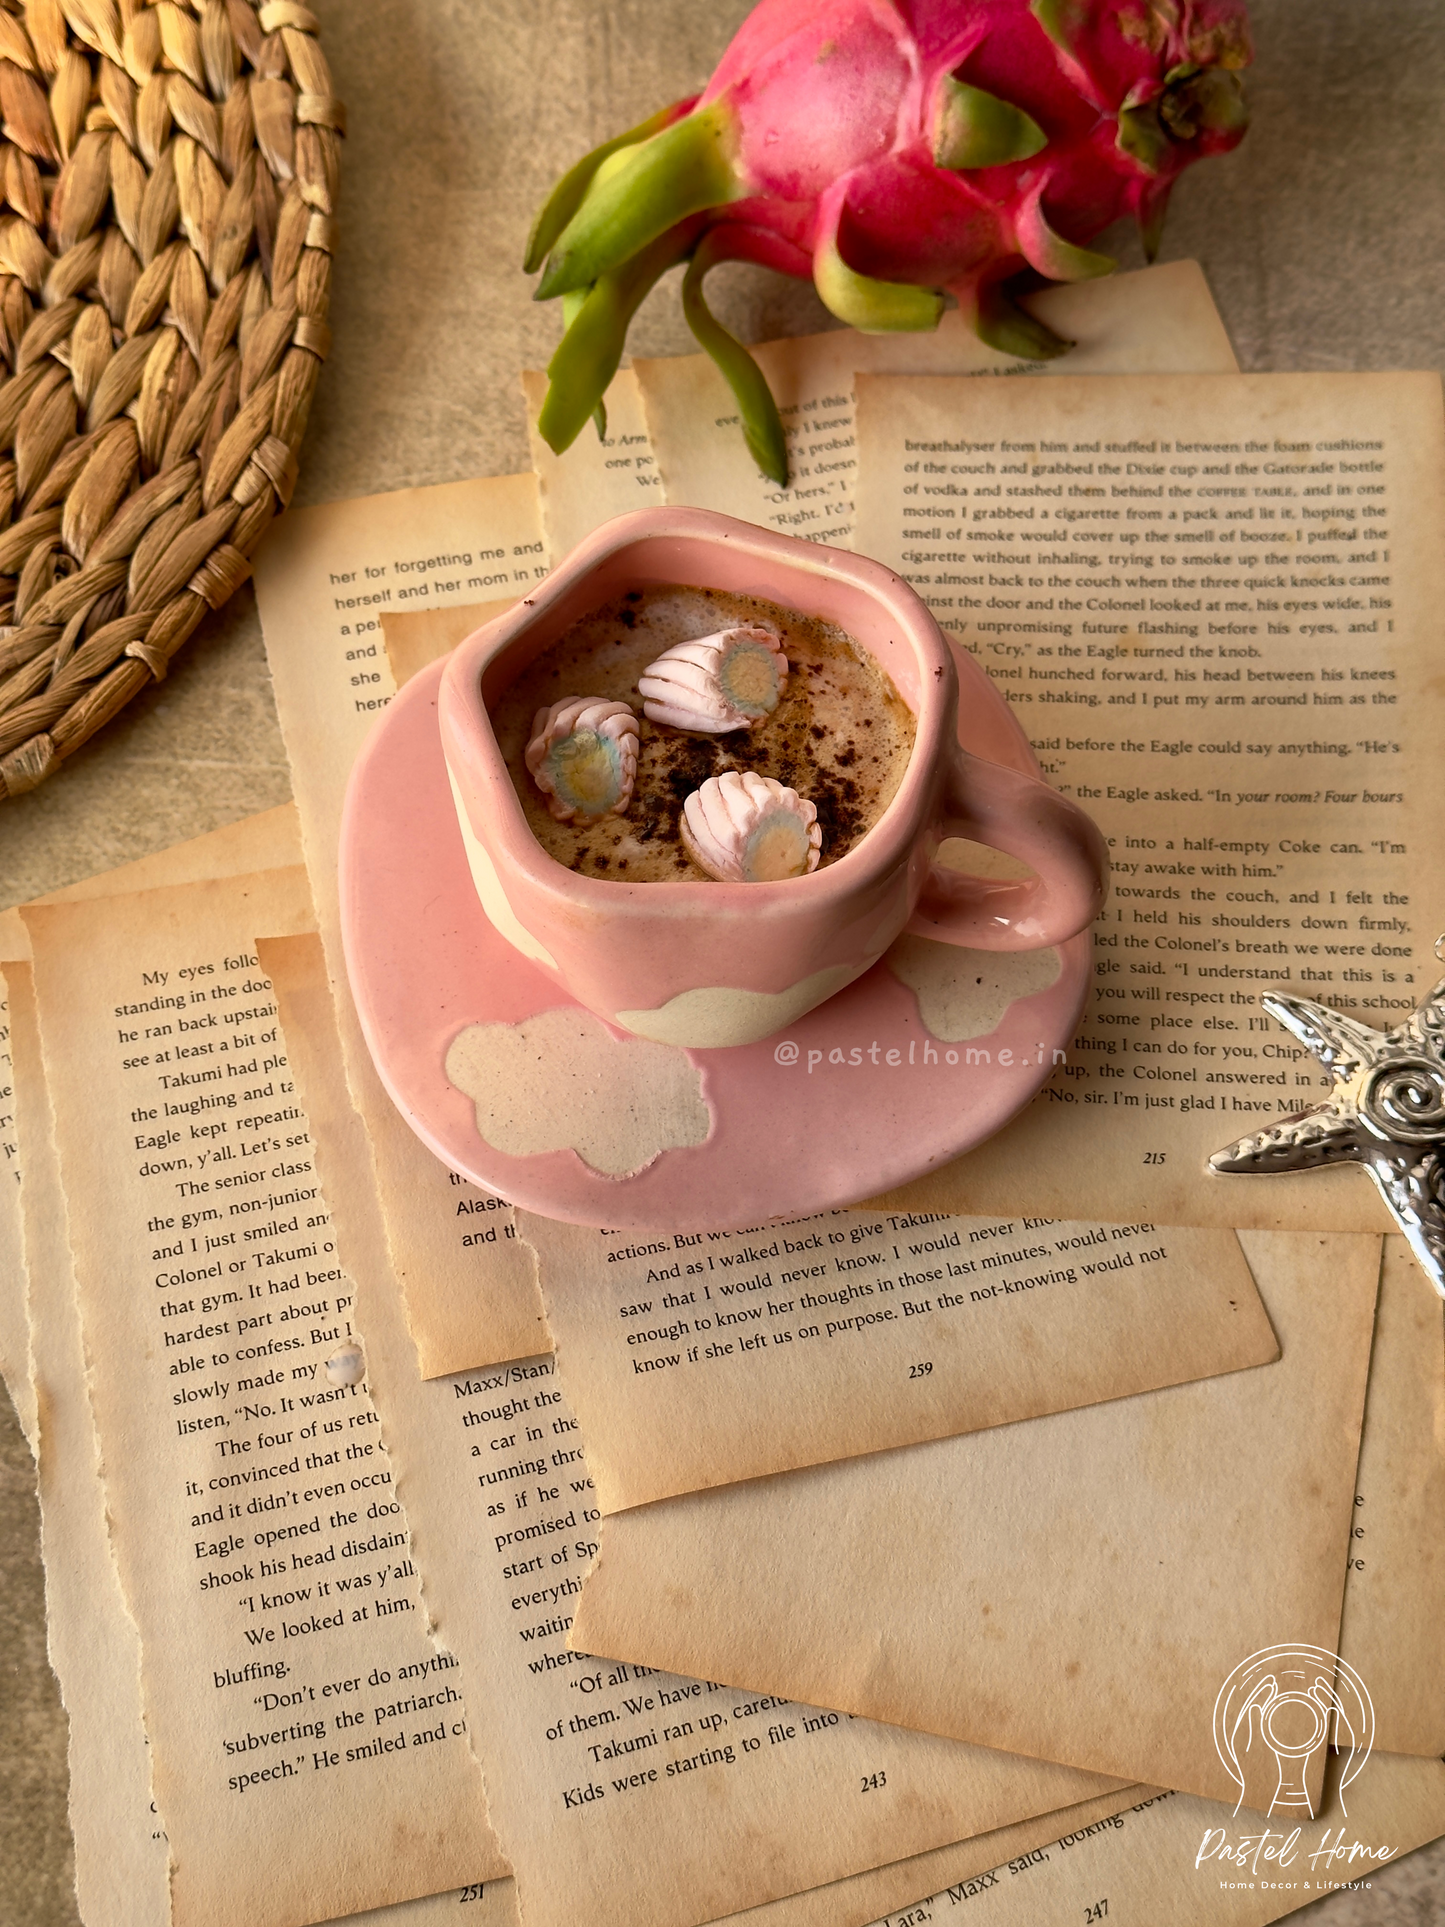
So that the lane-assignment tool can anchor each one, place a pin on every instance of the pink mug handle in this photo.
(1024, 817)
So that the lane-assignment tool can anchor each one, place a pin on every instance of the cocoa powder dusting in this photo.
(814, 741)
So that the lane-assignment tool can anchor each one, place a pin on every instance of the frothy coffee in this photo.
(841, 735)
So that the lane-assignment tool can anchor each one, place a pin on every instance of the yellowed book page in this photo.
(1395, 1584)
(868, 1897)
(852, 1902)
(14, 1364)
(1214, 603)
(121, 1859)
(597, 477)
(1162, 319)
(255, 843)
(324, 579)
(1159, 1864)
(415, 637)
(841, 1334)
(1078, 1587)
(300, 1717)
(120, 1850)
(269, 840)
(14, 1340)
(620, 1797)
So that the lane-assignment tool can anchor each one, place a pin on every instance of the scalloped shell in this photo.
(744, 828)
(578, 777)
(696, 685)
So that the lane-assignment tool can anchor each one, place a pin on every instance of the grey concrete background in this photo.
(1322, 238)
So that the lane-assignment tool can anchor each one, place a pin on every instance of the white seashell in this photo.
(583, 756)
(744, 828)
(716, 683)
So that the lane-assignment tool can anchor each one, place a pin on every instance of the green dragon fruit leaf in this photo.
(872, 307)
(566, 197)
(589, 352)
(1050, 253)
(998, 320)
(684, 170)
(762, 424)
(572, 305)
(974, 129)
(1058, 18)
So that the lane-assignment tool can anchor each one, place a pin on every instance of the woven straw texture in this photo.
(168, 180)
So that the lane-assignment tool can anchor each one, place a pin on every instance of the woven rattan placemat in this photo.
(168, 175)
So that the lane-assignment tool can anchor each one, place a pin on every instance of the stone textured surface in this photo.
(1321, 236)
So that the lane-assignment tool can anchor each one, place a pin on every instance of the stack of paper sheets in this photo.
(378, 1574)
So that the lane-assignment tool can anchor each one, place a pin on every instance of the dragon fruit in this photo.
(895, 151)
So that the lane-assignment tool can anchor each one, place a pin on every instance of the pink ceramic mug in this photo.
(704, 965)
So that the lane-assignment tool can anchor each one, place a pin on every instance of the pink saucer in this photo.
(425, 963)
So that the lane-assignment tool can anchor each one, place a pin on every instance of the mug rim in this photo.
(884, 847)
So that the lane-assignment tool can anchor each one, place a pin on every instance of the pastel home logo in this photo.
(1277, 1713)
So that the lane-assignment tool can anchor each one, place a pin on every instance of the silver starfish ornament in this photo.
(1387, 1112)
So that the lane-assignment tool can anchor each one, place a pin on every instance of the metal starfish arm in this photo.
(1412, 1183)
(1387, 1113)
(1341, 1045)
(1426, 1026)
(1298, 1143)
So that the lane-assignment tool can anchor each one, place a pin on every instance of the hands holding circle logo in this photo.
(1274, 1717)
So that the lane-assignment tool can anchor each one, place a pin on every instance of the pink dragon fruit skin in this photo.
(893, 150)
(805, 116)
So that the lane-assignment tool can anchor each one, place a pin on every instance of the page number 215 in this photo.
(1155, 1157)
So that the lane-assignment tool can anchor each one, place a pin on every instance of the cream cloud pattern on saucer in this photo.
(561, 1082)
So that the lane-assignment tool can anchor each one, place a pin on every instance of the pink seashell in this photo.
(744, 828)
(583, 756)
(717, 683)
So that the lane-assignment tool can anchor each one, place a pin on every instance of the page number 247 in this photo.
(1099, 1911)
